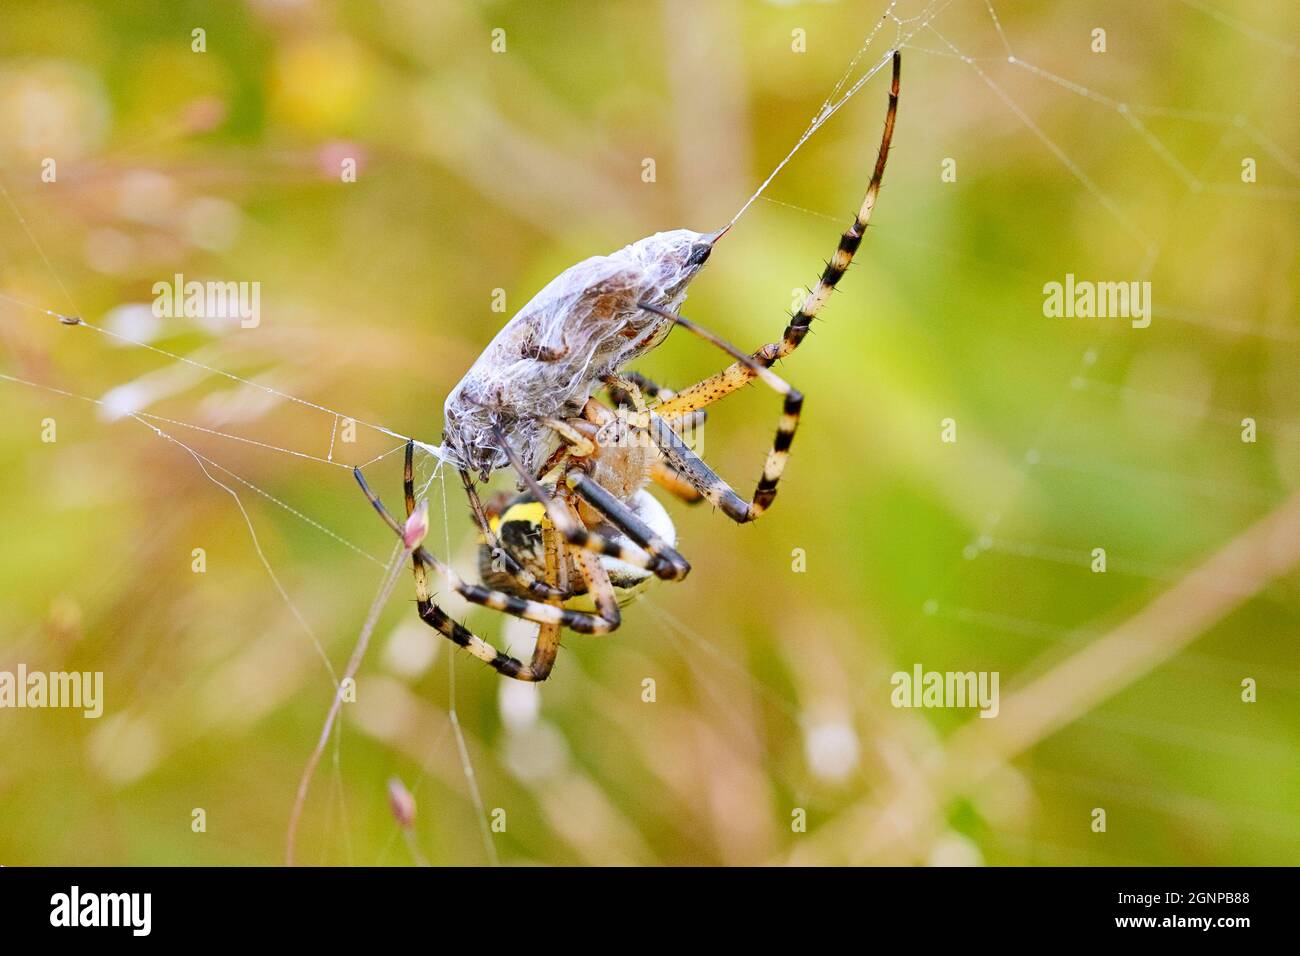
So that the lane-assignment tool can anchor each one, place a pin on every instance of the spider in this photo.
(585, 536)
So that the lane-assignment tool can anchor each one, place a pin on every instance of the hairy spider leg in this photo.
(693, 468)
(741, 373)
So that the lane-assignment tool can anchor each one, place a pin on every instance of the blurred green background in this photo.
(480, 170)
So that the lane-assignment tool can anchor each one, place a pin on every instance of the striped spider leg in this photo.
(746, 368)
(674, 482)
(548, 635)
(502, 559)
(550, 615)
(628, 390)
(693, 468)
(598, 585)
(672, 566)
(740, 372)
(652, 554)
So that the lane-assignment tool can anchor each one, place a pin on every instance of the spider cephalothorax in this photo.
(586, 535)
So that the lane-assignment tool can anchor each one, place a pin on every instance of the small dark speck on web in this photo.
(70, 319)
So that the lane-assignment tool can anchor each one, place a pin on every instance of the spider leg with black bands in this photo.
(741, 373)
(622, 388)
(692, 467)
(576, 533)
(500, 555)
(674, 482)
(438, 619)
(623, 518)
(535, 611)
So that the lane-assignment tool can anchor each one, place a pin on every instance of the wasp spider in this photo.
(586, 536)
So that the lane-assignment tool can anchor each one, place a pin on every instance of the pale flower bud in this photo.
(417, 526)
(401, 803)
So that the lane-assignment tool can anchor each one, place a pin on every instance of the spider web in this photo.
(129, 401)
(921, 34)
